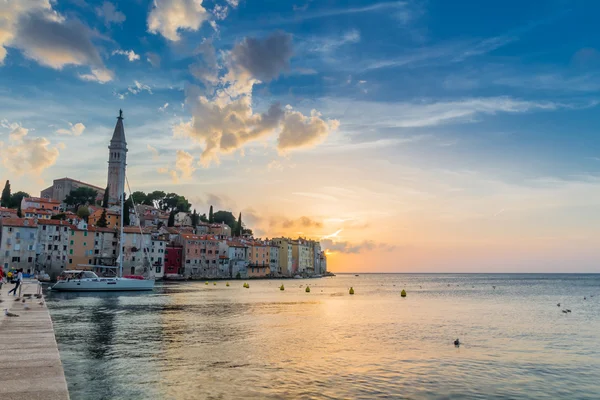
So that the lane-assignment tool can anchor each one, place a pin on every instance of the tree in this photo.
(127, 205)
(203, 218)
(173, 201)
(171, 221)
(194, 218)
(226, 217)
(155, 199)
(83, 212)
(61, 216)
(81, 196)
(139, 197)
(102, 223)
(19, 212)
(247, 232)
(5, 200)
(16, 198)
(238, 228)
(105, 198)
(211, 217)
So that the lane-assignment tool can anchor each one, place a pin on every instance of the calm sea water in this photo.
(192, 341)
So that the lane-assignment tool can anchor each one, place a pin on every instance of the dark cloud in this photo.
(302, 222)
(265, 58)
(349, 248)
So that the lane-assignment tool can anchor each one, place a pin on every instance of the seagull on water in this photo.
(565, 311)
(26, 307)
(457, 342)
(568, 310)
(558, 305)
(9, 314)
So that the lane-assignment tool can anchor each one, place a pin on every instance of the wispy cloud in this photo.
(319, 196)
(354, 248)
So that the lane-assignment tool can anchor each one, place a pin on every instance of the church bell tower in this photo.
(117, 162)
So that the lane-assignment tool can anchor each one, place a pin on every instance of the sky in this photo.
(407, 136)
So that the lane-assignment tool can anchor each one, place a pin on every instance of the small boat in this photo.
(356, 275)
(297, 277)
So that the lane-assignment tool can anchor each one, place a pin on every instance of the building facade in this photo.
(52, 246)
(18, 242)
(285, 256)
(62, 187)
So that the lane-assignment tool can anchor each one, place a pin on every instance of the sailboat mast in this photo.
(121, 235)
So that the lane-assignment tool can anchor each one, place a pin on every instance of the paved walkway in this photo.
(30, 366)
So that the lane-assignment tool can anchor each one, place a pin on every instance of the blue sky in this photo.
(453, 110)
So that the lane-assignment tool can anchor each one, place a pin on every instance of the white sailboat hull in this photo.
(103, 285)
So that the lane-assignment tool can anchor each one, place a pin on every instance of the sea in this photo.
(192, 340)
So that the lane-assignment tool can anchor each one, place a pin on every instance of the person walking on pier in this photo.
(17, 282)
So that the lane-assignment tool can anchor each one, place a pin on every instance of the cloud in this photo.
(375, 7)
(74, 130)
(154, 151)
(163, 108)
(169, 17)
(138, 87)
(302, 222)
(130, 54)
(25, 155)
(153, 59)
(184, 166)
(350, 248)
(424, 114)
(302, 131)
(224, 120)
(45, 36)
(327, 45)
(319, 196)
(110, 14)
(264, 58)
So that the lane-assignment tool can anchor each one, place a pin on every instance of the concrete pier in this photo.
(30, 366)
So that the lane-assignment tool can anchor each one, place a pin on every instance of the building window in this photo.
(30, 259)
(71, 251)
(72, 242)
(84, 244)
(158, 270)
(85, 233)
(70, 261)
(44, 227)
(16, 259)
(64, 248)
(72, 233)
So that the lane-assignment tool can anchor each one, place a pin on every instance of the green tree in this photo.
(61, 216)
(211, 217)
(155, 199)
(139, 197)
(105, 198)
(5, 200)
(127, 205)
(15, 199)
(171, 221)
(238, 228)
(203, 218)
(173, 201)
(102, 223)
(19, 212)
(247, 232)
(81, 196)
(83, 212)
(194, 218)
(226, 217)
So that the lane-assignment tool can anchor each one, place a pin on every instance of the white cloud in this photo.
(327, 45)
(169, 17)
(130, 54)
(74, 130)
(225, 121)
(154, 151)
(183, 169)
(163, 108)
(110, 14)
(138, 87)
(52, 40)
(25, 155)
(153, 59)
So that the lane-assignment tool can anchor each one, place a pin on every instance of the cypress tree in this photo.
(238, 228)
(210, 215)
(171, 221)
(19, 212)
(5, 201)
(105, 199)
(125, 211)
(194, 218)
(102, 220)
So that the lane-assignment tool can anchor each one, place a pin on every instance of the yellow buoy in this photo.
(351, 290)
(206, 283)
(281, 287)
(307, 289)
(403, 293)
(246, 286)
(227, 284)
(215, 283)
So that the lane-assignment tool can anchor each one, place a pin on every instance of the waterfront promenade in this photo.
(30, 364)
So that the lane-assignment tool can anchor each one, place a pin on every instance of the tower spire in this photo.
(117, 162)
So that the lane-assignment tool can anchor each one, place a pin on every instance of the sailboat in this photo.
(88, 281)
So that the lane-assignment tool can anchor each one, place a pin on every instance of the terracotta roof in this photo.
(40, 199)
(10, 210)
(92, 228)
(37, 211)
(56, 222)
(235, 244)
(19, 222)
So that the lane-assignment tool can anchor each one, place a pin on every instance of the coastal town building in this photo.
(285, 256)
(302, 260)
(61, 188)
(35, 213)
(81, 247)
(18, 240)
(52, 246)
(41, 203)
(173, 260)
(113, 217)
(8, 212)
(274, 267)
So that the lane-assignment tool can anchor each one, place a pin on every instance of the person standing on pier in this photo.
(17, 282)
